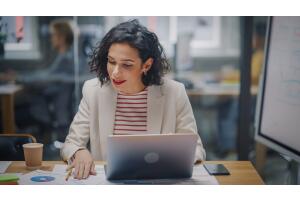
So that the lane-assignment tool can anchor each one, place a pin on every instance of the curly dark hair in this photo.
(138, 37)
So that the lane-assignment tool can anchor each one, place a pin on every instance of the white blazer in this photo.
(168, 111)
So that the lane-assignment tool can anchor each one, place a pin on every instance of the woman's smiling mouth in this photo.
(118, 82)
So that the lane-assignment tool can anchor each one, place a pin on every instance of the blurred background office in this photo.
(48, 58)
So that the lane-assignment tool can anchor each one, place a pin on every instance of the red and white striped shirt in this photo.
(131, 114)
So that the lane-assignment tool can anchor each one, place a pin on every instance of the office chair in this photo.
(11, 146)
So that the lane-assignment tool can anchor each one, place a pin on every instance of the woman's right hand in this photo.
(83, 164)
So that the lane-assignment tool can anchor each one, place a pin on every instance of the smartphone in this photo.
(216, 169)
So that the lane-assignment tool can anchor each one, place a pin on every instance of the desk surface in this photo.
(242, 172)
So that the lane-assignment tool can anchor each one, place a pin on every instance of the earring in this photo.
(145, 73)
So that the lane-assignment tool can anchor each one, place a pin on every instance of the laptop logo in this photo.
(151, 157)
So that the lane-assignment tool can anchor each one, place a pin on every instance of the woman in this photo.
(57, 93)
(129, 97)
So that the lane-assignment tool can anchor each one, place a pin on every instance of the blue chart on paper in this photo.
(42, 178)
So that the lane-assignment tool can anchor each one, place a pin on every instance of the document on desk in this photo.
(200, 177)
(98, 179)
(4, 165)
(40, 177)
(57, 177)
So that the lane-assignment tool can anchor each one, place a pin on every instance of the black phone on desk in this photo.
(216, 169)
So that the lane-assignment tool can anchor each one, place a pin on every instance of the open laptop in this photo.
(152, 156)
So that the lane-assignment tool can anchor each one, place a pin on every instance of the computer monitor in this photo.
(278, 107)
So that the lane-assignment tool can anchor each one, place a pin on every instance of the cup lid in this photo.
(33, 145)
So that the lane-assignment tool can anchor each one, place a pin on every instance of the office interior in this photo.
(206, 55)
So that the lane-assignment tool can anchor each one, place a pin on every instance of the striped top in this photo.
(131, 114)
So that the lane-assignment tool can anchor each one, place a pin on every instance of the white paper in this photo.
(98, 179)
(200, 177)
(59, 174)
(61, 169)
(16, 174)
(4, 165)
(26, 178)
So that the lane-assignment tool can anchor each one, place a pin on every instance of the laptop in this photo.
(155, 156)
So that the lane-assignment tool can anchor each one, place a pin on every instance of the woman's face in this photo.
(125, 68)
(56, 39)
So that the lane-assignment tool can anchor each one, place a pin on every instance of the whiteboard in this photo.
(279, 107)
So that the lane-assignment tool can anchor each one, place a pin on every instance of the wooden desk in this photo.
(242, 172)
(7, 93)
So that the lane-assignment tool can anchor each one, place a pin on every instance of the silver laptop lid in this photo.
(150, 156)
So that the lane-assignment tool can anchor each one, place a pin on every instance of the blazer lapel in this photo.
(107, 108)
(155, 105)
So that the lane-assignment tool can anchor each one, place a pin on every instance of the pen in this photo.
(69, 172)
